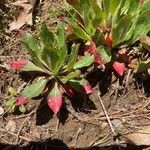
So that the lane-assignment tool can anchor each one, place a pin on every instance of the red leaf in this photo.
(87, 87)
(119, 68)
(92, 48)
(55, 103)
(68, 89)
(108, 40)
(18, 64)
(54, 99)
(97, 58)
(21, 101)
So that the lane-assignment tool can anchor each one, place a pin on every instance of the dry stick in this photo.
(57, 121)
(117, 90)
(127, 78)
(76, 138)
(107, 117)
(98, 142)
(124, 96)
(25, 120)
(21, 137)
(80, 118)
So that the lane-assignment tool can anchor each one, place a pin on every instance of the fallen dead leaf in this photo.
(25, 14)
(141, 137)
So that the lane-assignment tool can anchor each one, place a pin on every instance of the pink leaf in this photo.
(21, 101)
(119, 68)
(87, 87)
(54, 99)
(18, 64)
(92, 48)
(68, 89)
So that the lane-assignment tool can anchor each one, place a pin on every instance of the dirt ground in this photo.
(82, 121)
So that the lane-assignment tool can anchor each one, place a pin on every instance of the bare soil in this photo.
(82, 122)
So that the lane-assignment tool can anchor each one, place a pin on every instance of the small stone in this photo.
(1, 110)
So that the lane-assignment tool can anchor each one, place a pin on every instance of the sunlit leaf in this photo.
(85, 61)
(34, 89)
(54, 98)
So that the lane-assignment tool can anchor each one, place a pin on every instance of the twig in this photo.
(11, 133)
(98, 142)
(116, 95)
(76, 138)
(127, 79)
(107, 117)
(25, 120)
(85, 120)
(124, 96)
(57, 121)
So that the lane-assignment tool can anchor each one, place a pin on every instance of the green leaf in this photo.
(73, 56)
(61, 60)
(133, 7)
(13, 108)
(22, 109)
(10, 102)
(117, 14)
(71, 75)
(12, 91)
(32, 46)
(85, 61)
(35, 89)
(47, 37)
(61, 36)
(145, 7)
(54, 54)
(76, 84)
(31, 67)
(62, 49)
(142, 27)
(119, 32)
(105, 53)
(78, 30)
(51, 58)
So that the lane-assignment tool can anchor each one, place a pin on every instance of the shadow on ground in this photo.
(56, 144)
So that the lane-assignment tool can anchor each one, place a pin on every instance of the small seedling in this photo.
(15, 102)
